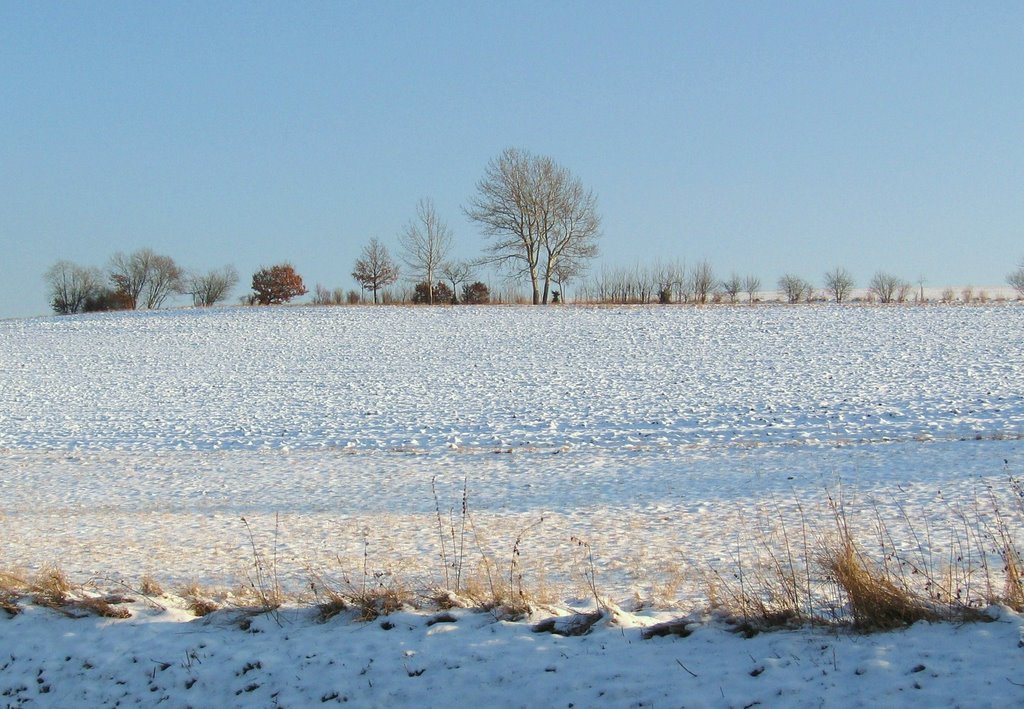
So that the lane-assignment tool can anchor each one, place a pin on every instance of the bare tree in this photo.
(921, 289)
(702, 281)
(375, 269)
(1016, 279)
(793, 288)
(732, 287)
(751, 285)
(70, 286)
(128, 273)
(425, 243)
(903, 291)
(886, 286)
(457, 273)
(145, 278)
(212, 287)
(839, 283)
(567, 270)
(537, 214)
(164, 279)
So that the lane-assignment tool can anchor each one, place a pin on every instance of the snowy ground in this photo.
(668, 439)
(165, 658)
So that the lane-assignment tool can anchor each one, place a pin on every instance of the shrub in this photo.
(441, 294)
(476, 294)
(107, 299)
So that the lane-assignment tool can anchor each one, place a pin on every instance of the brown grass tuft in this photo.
(50, 588)
(150, 587)
(102, 607)
(877, 599)
(198, 603)
(371, 603)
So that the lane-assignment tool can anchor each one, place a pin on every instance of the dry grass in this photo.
(373, 603)
(786, 578)
(785, 573)
(150, 587)
(50, 588)
(198, 601)
(105, 607)
(12, 588)
(876, 599)
(374, 596)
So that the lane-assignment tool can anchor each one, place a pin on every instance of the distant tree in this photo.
(440, 293)
(325, 296)
(165, 278)
(277, 284)
(1016, 279)
(702, 281)
(128, 274)
(70, 286)
(793, 288)
(567, 270)
(538, 215)
(732, 287)
(751, 286)
(425, 243)
(903, 291)
(211, 287)
(456, 273)
(145, 278)
(839, 284)
(476, 293)
(885, 286)
(375, 269)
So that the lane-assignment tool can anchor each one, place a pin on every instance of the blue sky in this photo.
(766, 137)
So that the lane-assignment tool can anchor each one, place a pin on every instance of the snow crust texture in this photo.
(485, 378)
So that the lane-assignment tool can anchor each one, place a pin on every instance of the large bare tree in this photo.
(538, 216)
(425, 244)
(374, 268)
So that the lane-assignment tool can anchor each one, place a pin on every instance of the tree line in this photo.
(142, 279)
(541, 227)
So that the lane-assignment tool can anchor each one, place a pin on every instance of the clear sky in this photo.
(766, 137)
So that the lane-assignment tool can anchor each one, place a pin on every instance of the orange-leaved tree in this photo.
(277, 284)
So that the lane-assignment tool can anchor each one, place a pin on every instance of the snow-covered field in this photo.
(668, 439)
